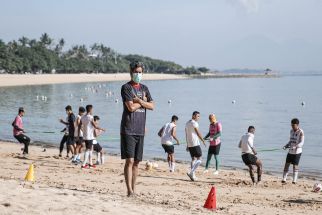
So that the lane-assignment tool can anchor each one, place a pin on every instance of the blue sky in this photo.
(285, 35)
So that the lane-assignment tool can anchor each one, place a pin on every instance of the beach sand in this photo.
(63, 188)
(30, 79)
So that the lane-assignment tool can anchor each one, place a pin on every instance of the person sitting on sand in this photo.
(87, 125)
(249, 154)
(214, 134)
(96, 146)
(18, 131)
(193, 138)
(295, 146)
(168, 134)
(78, 136)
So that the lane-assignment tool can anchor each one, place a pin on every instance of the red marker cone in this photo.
(211, 200)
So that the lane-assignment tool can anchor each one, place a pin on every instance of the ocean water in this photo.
(267, 103)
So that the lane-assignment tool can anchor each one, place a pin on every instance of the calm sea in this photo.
(267, 103)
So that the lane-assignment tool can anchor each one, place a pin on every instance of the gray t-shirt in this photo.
(134, 123)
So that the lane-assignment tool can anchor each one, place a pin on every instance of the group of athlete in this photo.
(136, 101)
(246, 144)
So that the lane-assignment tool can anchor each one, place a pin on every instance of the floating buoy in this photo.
(303, 103)
(81, 99)
(37, 97)
(233, 101)
(169, 101)
(116, 101)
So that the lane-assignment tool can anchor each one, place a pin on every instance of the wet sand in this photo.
(64, 188)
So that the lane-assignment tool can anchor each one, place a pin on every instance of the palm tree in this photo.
(24, 41)
(45, 40)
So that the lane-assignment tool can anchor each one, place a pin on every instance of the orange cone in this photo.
(211, 200)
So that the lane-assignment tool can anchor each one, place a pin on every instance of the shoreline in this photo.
(11, 80)
(57, 181)
(305, 175)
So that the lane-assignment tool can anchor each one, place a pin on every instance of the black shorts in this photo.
(214, 150)
(97, 147)
(132, 146)
(168, 149)
(195, 151)
(249, 159)
(293, 159)
(79, 141)
(70, 140)
(22, 138)
(89, 144)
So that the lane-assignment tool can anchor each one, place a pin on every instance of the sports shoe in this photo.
(283, 182)
(85, 167)
(293, 182)
(192, 176)
(216, 172)
(98, 163)
(205, 171)
(92, 166)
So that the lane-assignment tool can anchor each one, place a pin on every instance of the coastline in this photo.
(10, 80)
(57, 181)
(304, 174)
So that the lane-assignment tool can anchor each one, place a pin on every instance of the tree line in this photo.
(46, 55)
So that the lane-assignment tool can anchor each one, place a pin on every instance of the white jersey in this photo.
(247, 143)
(296, 141)
(87, 126)
(191, 135)
(166, 137)
(76, 127)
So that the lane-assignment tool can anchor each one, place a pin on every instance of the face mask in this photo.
(137, 77)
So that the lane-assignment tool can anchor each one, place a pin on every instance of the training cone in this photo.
(30, 173)
(211, 200)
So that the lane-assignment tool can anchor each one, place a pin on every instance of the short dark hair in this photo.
(174, 118)
(250, 128)
(89, 108)
(81, 109)
(96, 118)
(68, 107)
(195, 113)
(295, 121)
(136, 64)
(21, 110)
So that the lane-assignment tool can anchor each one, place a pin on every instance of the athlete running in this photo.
(168, 135)
(18, 131)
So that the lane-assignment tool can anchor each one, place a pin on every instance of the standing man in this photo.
(249, 154)
(193, 138)
(88, 126)
(78, 136)
(18, 131)
(136, 99)
(168, 135)
(214, 134)
(70, 142)
(295, 150)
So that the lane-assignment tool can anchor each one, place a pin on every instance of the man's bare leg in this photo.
(128, 175)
